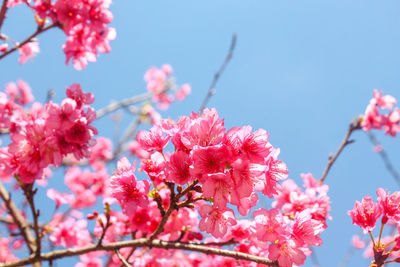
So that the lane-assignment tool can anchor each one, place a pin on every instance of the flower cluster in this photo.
(46, 134)
(84, 22)
(160, 81)
(223, 168)
(367, 213)
(374, 119)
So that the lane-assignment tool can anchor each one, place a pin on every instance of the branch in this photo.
(29, 39)
(122, 258)
(172, 206)
(29, 194)
(346, 141)
(3, 12)
(142, 242)
(129, 133)
(217, 75)
(385, 158)
(18, 219)
(123, 103)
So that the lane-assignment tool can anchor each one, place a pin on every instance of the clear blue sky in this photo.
(301, 70)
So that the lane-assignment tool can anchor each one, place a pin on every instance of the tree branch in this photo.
(142, 242)
(385, 158)
(29, 194)
(122, 258)
(19, 220)
(217, 75)
(123, 103)
(29, 39)
(3, 12)
(346, 141)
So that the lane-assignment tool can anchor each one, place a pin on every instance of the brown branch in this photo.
(142, 242)
(3, 12)
(172, 207)
(29, 194)
(385, 158)
(346, 141)
(217, 75)
(29, 39)
(122, 258)
(19, 220)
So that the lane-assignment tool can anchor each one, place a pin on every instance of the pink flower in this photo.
(219, 187)
(138, 151)
(365, 214)
(101, 151)
(305, 230)
(127, 190)
(391, 122)
(286, 253)
(152, 140)
(255, 146)
(58, 197)
(75, 92)
(179, 168)
(216, 221)
(14, 3)
(390, 205)
(372, 118)
(3, 48)
(377, 148)
(28, 51)
(384, 102)
(25, 95)
(90, 260)
(357, 242)
(270, 225)
(5, 253)
(71, 233)
(205, 130)
(183, 92)
(275, 172)
(206, 160)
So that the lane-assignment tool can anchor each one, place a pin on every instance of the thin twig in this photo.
(29, 39)
(129, 255)
(217, 75)
(123, 103)
(29, 194)
(129, 134)
(172, 207)
(3, 12)
(142, 242)
(122, 258)
(385, 158)
(19, 220)
(346, 141)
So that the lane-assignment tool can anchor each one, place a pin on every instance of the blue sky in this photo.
(301, 70)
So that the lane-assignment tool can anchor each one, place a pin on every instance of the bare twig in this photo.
(123, 103)
(217, 75)
(346, 141)
(29, 39)
(122, 258)
(3, 12)
(19, 220)
(142, 242)
(129, 134)
(29, 193)
(129, 255)
(385, 158)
